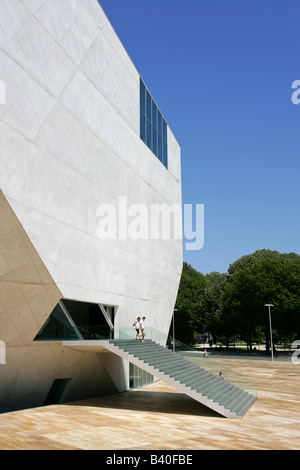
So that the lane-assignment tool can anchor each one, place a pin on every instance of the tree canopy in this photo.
(233, 304)
(188, 315)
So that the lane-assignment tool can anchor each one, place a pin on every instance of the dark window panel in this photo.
(149, 135)
(159, 123)
(165, 132)
(149, 106)
(57, 327)
(153, 127)
(143, 97)
(154, 115)
(154, 141)
(143, 128)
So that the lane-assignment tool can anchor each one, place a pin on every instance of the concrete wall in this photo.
(28, 295)
(69, 141)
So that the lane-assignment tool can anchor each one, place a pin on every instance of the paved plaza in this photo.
(157, 417)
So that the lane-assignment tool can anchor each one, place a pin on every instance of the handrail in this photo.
(151, 333)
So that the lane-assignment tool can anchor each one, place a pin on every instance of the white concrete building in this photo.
(78, 131)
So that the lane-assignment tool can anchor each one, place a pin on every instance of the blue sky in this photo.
(221, 72)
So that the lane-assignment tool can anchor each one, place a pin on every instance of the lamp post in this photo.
(271, 338)
(175, 310)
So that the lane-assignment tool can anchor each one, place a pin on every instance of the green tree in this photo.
(232, 304)
(264, 277)
(248, 260)
(242, 304)
(211, 306)
(187, 318)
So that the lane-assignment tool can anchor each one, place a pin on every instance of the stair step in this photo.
(236, 400)
(223, 394)
(247, 406)
(190, 375)
(185, 374)
(154, 354)
(241, 404)
(140, 349)
(166, 361)
(230, 398)
(174, 369)
(170, 370)
(210, 386)
(200, 380)
(147, 356)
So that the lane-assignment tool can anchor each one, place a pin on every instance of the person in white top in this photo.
(137, 327)
(142, 327)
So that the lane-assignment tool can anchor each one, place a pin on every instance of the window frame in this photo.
(153, 126)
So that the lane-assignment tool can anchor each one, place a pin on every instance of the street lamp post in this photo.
(175, 310)
(271, 338)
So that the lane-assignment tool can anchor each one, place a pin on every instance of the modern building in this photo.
(80, 135)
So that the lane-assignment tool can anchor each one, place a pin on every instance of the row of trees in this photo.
(230, 305)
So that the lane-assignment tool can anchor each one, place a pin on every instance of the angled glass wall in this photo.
(58, 327)
(72, 320)
(153, 127)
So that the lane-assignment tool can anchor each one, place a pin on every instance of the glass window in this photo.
(153, 127)
(57, 327)
(160, 149)
(154, 115)
(154, 141)
(138, 377)
(159, 123)
(165, 135)
(149, 106)
(143, 97)
(149, 135)
(143, 128)
(77, 320)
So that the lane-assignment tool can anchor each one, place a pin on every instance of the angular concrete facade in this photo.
(69, 142)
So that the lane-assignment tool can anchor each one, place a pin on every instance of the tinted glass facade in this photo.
(72, 320)
(153, 126)
(139, 377)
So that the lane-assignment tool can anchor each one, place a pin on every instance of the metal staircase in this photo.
(198, 383)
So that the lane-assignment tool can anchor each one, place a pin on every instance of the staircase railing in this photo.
(151, 333)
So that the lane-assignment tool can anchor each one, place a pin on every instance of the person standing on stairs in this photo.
(142, 327)
(137, 327)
